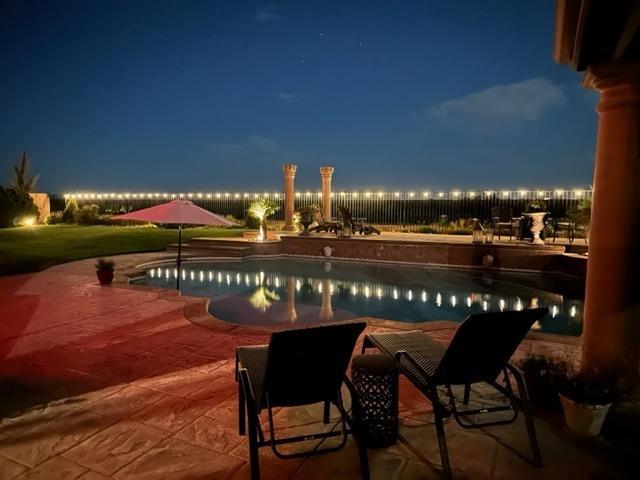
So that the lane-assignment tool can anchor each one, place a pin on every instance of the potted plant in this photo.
(541, 374)
(104, 270)
(586, 399)
(306, 217)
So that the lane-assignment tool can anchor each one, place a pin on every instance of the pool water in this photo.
(273, 292)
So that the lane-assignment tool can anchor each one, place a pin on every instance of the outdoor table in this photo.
(375, 378)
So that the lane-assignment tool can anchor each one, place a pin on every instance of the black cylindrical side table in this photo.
(375, 378)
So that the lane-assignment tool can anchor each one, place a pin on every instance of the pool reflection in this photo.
(277, 297)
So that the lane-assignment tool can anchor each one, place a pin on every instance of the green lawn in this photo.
(28, 249)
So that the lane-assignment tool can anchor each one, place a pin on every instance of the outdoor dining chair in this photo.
(297, 368)
(479, 352)
(504, 221)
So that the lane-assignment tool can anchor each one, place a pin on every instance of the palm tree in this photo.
(21, 182)
(261, 209)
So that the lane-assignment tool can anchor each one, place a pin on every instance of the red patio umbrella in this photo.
(177, 212)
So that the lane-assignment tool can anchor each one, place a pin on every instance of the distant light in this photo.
(578, 193)
(342, 194)
(453, 300)
(456, 194)
(559, 192)
(522, 193)
(208, 195)
(199, 195)
(425, 194)
(441, 194)
(488, 193)
(505, 193)
(380, 194)
(540, 193)
(308, 194)
(367, 194)
(412, 194)
(218, 195)
(397, 194)
(297, 194)
(472, 194)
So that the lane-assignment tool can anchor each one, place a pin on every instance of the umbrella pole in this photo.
(179, 255)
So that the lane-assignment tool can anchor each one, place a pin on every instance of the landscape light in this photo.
(578, 193)
(505, 193)
(380, 194)
(367, 194)
(208, 195)
(540, 193)
(411, 194)
(425, 194)
(559, 192)
(29, 221)
(522, 193)
(456, 194)
(441, 194)
(472, 194)
(217, 195)
(397, 194)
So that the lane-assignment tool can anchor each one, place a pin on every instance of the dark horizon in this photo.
(206, 97)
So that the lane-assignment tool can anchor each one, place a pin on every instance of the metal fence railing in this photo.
(381, 208)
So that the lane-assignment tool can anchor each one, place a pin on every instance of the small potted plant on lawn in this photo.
(104, 270)
(586, 399)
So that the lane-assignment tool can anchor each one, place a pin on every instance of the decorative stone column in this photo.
(289, 172)
(611, 335)
(326, 173)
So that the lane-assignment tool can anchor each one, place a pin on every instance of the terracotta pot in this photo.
(105, 277)
(582, 419)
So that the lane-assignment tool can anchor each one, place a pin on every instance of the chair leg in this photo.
(254, 457)
(528, 417)
(442, 443)
(242, 428)
(327, 412)
(467, 392)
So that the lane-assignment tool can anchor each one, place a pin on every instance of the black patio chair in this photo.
(565, 225)
(361, 227)
(324, 225)
(479, 352)
(297, 367)
(504, 221)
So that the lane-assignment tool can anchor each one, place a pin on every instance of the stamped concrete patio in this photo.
(119, 382)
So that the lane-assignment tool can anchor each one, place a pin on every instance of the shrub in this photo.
(542, 374)
(54, 218)
(587, 388)
(426, 229)
(89, 215)
(251, 222)
(105, 264)
(14, 206)
(70, 209)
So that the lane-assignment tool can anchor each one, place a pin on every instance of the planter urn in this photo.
(583, 419)
(105, 277)
(305, 221)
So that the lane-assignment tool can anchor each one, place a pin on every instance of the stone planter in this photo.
(105, 277)
(582, 419)
(305, 221)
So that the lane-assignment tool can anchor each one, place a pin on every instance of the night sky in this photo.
(217, 95)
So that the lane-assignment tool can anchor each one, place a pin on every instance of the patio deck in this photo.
(116, 382)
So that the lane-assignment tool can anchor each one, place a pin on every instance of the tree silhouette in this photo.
(21, 181)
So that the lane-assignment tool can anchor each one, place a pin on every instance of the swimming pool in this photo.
(288, 291)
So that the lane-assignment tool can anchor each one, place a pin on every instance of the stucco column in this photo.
(326, 173)
(289, 172)
(611, 337)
